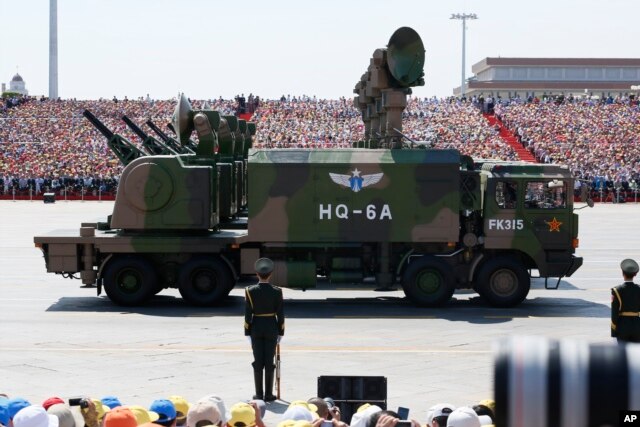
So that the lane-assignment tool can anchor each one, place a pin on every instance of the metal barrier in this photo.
(615, 195)
(84, 193)
(65, 193)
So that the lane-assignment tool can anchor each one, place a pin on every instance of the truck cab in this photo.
(528, 218)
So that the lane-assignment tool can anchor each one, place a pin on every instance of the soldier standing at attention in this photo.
(625, 305)
(264, 326)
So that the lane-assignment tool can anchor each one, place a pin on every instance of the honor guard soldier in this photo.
(264, 325)
(625, 305)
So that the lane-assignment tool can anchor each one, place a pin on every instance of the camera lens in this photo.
(564, 383)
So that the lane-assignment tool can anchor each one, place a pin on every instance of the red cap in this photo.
(51, 401)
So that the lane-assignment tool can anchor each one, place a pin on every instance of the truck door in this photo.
(503, 220)
(538, 223)
(548, 212)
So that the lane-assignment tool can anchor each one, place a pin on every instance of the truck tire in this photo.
(129, 281)
(204, 281)
(428, 282)
(503, 282)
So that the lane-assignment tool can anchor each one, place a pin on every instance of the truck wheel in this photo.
(204, 281)
(428, 282)
(129, 281)
(503, 282)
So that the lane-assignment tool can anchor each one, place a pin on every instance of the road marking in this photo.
(535, 317)
(89, 313)
(363, 316)
(513, 317)
(394, 350)
(386, 317)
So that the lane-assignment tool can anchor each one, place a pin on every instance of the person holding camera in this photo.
(326, 408)
(264, 327)
(93, 411)
(625, 305)
(388, 418)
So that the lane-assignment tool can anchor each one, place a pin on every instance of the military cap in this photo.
(629, 266)
(264, 266)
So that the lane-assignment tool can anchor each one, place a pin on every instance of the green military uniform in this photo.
(264, 323)
(625, 306)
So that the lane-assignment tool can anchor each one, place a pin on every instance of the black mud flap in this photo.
(576, 262)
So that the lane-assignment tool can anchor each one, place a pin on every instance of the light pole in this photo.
(53, 49)
(463, 17)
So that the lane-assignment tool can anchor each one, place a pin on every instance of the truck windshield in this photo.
(545, 195)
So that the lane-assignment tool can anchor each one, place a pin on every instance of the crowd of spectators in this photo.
(599, 139)
(210, 411)
(306, 122)
(303, 122)
(247, 106)
(12, 101)
(452, 123)
(48, 145)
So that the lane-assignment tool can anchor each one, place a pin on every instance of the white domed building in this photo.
(17, 85)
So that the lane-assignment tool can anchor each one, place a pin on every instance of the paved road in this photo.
(61, 339)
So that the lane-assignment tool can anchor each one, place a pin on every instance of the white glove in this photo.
(279, 338)
(249, 338)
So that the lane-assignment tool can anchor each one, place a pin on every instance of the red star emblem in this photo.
(554, 225)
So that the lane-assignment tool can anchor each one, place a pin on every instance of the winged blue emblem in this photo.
(354, 181)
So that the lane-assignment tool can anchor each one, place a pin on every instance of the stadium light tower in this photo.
(53, 49)
(463, 17)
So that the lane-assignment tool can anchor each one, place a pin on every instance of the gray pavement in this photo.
(61, 339)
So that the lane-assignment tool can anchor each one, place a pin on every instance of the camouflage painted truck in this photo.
(430, 220)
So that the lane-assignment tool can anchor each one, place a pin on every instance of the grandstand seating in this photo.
(511, 139)
(48, 143)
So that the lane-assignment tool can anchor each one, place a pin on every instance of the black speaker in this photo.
(369, 388)
(350, 392)
(49, 197)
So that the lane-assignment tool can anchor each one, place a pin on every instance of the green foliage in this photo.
(11, 95)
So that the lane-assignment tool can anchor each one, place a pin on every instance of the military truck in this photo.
(429, 220)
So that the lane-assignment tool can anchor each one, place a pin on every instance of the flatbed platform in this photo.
(113, 241)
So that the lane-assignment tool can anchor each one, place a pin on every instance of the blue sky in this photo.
(209, 48)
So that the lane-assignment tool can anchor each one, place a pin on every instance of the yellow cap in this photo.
(363, 407)
(143, 415)
(181, 404)
(242, 415)
(489, 403)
